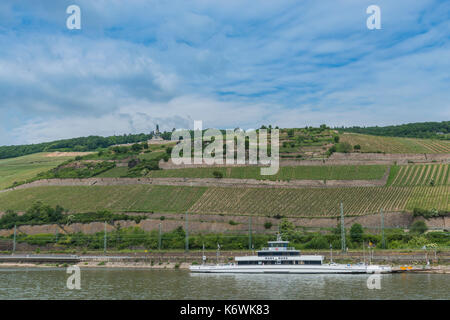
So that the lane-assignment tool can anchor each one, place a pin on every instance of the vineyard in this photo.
(307, 202)
(420, 175)
(396, 145)
(430, 198)
(320, 202)
(362, 172)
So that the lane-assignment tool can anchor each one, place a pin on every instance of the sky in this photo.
(234, 63)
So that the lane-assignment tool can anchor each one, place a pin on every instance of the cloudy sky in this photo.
(229, 63)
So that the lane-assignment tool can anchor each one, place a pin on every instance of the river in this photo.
(104, 283)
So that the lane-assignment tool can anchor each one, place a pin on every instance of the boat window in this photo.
(313, 262)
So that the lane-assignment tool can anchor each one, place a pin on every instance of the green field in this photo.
(26, 167)
(114, 198)
(370, 143)
(368, 172)
(313, 202)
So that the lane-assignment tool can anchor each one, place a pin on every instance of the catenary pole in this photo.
(342, 229)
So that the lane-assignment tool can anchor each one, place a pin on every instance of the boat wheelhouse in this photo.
(278, 252)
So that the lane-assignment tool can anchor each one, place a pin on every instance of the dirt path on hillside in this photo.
(66, 154)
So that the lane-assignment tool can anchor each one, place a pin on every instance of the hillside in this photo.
(429, 130)
(388, 186)
(27, 167)
(379, 144)
(304, 202)
(90, 143)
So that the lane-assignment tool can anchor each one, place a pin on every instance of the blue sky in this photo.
(229, 63)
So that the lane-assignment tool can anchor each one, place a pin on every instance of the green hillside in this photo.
(26, 167)
(321, 202)
(395, 145)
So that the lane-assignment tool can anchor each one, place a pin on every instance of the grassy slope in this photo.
(254, 201)
(22, 168)
(396, 145)
(115, 198)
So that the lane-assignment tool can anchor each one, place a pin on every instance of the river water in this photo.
(103, 283)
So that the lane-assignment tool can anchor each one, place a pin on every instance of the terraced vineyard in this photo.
(370, 143)
(363, 172)
(437, 197)
(420, 175)
(320, 202)
(307, 202)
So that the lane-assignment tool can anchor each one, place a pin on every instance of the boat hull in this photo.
(291, 269)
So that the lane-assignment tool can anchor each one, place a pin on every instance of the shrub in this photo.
(233, 223)
(133, 163)
(344, 147)
(317, 242)
(268, 225)
(217, 174)
(418, 227)
(356, 232)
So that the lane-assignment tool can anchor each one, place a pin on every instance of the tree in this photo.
(136, 147)
(356, 232)
(290, 133)
(418, 227)
(344, 147)
(286, 228)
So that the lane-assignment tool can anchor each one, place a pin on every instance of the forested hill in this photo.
(435, 130)
(76, 144)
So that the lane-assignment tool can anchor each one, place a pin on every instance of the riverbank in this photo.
(130, 265)
(434, 269)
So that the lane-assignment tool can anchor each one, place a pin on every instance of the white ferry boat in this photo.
(279, 258)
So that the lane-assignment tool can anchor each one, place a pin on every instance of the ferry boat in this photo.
(278, 257)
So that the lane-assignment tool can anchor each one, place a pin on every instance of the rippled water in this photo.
(50, 283)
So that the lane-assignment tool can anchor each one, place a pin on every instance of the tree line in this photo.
(426, 130)
(80, 144)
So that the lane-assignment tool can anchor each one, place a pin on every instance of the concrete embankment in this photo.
(221, 223)
(177, 259)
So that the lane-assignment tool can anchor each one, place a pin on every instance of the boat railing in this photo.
(278, 249)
